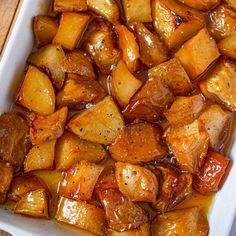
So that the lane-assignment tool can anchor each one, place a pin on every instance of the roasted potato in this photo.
(175, 22)
(45, 29)
(189, 221)
(231, 3)
(185, 110)
(33, 204)
(82, 215)
(152, 50)
(36, 92)
(46, 128)
(194, 59)
(209, 178)
(143, 230)
(174, 75)
(189, 145)
(201, 5)
(227, 46)
(217, 124)
(99, 124)
(123, 84)
(136, 183)
(220, 85)
(69, 5)
(70, 149)
(71, 28)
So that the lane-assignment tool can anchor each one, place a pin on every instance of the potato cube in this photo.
(185, 110)
(220, 85)
(46, 128)
(131, 144)
(138, 10)
(71, 28)
(193, 56)
(69, 5)
(189, 221)
(33, 204)
(231, 3)
(189, 145)
(175, 22)
(99, 124)
(36, 92)
(227, 46)
(82, 215)
(123, 84)
(143, 230)
(201, 5)
(45, 29)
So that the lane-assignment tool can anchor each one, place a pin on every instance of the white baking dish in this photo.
(12, 66)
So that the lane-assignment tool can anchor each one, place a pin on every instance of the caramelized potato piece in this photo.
(33, 204)
(45, 29)
(46, 128)
(143, 230)
(131, 144)
(189, 221)
(36, 92)
(227, 46)
(189, 145)
(210, 175)
(175, 22)
(136, 183)
(79, 181)
(185, 110)
(152, 50)
(194, 59)
(99, 124)
(220, 86)
(14, 142)
(138, 10)
(106, 8)
(231, 3)
(70, 149)
(6, 175)
(222, 22)
(69, 5)
(71, 28)
(82, 215)
(40, 157)
(128, 46)
(123, 84)
(173, 74)
(201, 5)
(217, 124)
(50, 59)
(79, 92)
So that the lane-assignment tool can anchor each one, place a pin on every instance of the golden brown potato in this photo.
(136, 183)
(131, 144)
(227, 46)
(50, 59)
(40, 157)
(36, 92)
(69, 5)
(33, 204)
(175, 22)
(79, 181)
(79, 92)
(143, 230)
(231, 3)
(189, 221)
(123, 84)
(185, 110)
(45, 29)
(189, 145)
(201, 5)
(220, 85)
(71, 28)
(46, 128)
(99, 124)
(107, 8)
(82, 215)
(217, 124)
(14, 142)
(70, 149)
(173, 74)
(138, 10)
(221, 22)
(128, 46)
(152, 50)
(194, 58)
